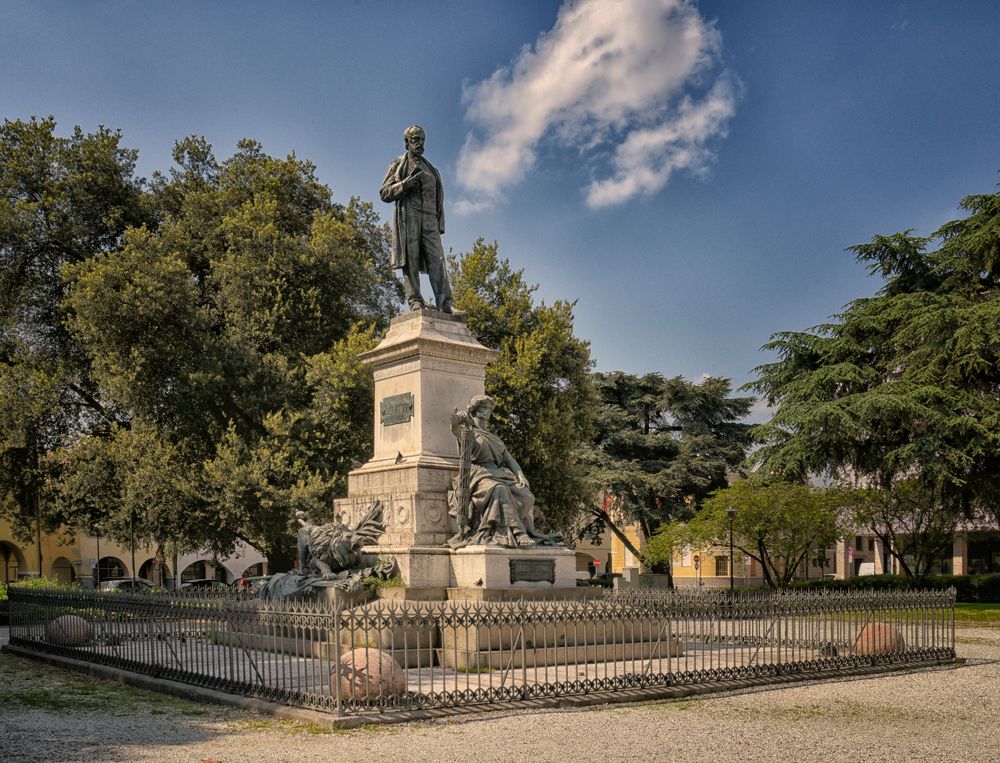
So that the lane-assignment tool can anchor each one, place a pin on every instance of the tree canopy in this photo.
(184, 360)
(541, 381)
(62, 201)
(776, 524)
(912, 522)
(904, 384)
(661, 445)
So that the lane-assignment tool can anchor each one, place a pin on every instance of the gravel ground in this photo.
(940, 715)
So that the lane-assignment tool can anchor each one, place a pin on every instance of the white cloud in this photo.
(615, 79)
(761, 412)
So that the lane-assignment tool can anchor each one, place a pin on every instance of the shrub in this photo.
(3, 592)
(34, 583)
(981, 588)
(598, 581)
(987, 587)
(866, 583)
(375, 584)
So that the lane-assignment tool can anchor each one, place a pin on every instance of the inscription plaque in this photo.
(397, 409)
(533, 570)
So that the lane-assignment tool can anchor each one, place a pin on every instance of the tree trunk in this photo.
(888, 539)
(280, 559)
(617, 532)
(765, 566)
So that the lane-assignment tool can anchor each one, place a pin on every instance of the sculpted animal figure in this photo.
(330, 556)
(333, 548)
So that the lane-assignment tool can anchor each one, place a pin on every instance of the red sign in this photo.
(697, 558)
(597, 562)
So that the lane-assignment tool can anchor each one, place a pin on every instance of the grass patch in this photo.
(26, 683)
(977, 641)
(977, 613)
(675, 704)
(852, 711)
(472, 669)
(279, 724)
(370, 728)
(298, 728)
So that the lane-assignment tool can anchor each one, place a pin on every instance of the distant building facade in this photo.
(87, 559)
(974, 550)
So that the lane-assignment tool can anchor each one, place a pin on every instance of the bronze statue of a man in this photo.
(415, 186)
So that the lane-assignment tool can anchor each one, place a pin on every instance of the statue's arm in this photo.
(459, 419)
(519, 478)
(324, 569)
(393, 189)
(440, 202)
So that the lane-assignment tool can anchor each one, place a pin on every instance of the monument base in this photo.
(545, 567)
(483, 573)
(425, 571)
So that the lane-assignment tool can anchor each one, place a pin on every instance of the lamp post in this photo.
(731, 514)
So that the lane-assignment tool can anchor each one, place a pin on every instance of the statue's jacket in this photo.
(392, 191)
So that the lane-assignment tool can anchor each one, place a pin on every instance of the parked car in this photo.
(251, 584)
(203, 584)
(136, 585)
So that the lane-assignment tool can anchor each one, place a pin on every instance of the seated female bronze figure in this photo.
(490, 498)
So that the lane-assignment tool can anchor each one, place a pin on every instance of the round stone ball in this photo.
(878, 638)
(69, 630)
(369, 673)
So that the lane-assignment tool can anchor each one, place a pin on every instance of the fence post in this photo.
(524, 650)
(337, 667)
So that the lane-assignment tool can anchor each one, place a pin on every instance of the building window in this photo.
(871, 544)
(859, 544)
(721, 565)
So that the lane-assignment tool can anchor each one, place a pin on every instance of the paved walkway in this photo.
(934, 715)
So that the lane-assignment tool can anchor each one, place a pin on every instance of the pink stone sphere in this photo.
(69, 630)
(878, 638)
(369, 672)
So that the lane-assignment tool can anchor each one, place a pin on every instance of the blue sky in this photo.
(690, 173)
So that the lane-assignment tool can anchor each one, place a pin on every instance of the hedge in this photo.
(969, 588)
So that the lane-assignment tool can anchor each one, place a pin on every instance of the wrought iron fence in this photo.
(381, 655)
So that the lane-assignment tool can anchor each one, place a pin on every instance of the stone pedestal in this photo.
(523, 568)
(428, 365)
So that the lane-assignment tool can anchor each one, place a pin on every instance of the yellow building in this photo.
(975, 549)
(86, 559)
(707, 567)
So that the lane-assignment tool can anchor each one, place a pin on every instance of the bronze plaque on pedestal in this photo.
(533, 570)
(397, 409)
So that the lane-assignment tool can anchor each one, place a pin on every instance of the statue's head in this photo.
(414, 137)
(481, 406)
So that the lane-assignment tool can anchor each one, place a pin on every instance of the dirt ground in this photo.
(942, 715)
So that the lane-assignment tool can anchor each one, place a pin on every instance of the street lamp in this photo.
(731, 513)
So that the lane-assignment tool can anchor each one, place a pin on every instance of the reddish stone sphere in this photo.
(878, 638)
(69, 630)
(370, 672)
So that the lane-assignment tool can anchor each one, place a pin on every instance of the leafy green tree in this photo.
(913, 523)
(128, 484)
(231, 333)
(662, 445)
(62, 201)
(541, 381)
(777, 524)
(902, 385)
